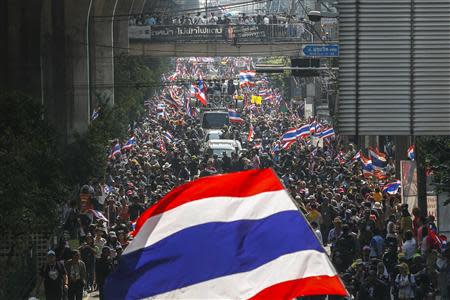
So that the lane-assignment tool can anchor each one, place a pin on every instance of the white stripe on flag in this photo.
(214, 209)
(301, 264)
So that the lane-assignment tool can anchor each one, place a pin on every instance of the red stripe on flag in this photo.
(240, 184)
(310, 286)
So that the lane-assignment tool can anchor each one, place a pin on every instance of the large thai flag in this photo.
(378, 158)
(303, 131)
(247, 78)
(367, 167)
(327, 133)
(289, 135)
(411, 152)
(234, 116)
(392, 188)
(252, 243)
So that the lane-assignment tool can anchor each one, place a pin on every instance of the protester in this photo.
(54, 276)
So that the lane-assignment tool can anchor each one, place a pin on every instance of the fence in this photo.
(20, 258)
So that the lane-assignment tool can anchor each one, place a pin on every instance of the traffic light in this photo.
(305, 63)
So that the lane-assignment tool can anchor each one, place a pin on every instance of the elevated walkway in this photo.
(219, 40)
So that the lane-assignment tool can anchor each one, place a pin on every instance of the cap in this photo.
(51, 252)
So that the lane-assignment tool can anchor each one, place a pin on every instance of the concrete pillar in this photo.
(138, 6)
(53, 68)
(120, 27)
(20, 53)
(77, 64)
(102, 52)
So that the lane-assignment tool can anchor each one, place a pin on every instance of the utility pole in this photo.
(421, 176)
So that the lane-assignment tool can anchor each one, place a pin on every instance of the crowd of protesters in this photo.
(213, 18)
(381, 248)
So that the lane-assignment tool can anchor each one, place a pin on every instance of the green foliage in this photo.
(31, 169)
(436, 150)
(135, 79)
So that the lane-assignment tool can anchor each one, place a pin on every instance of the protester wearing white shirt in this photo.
(409, 247)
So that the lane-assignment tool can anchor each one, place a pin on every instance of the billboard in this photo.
(394, 67)
(408, 175)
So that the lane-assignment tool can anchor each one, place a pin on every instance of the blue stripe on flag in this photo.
(209, 251)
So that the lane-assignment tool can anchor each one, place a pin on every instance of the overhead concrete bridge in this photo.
(218, 40)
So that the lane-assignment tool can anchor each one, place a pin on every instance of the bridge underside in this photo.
(144, 48)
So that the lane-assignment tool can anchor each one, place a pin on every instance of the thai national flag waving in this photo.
(199, 94)
(246, 78)
(289, 135)
(392, 188)
(327, 133)
(246, 246)
(234, 116)
(379, 159)
(130, 143)
(116, 150)
(367, 167)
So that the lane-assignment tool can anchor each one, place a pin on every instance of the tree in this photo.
(436, 150)
(32, 182)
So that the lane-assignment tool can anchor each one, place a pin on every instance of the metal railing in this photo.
(221, 33)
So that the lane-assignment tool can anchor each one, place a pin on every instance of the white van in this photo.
(219, 146)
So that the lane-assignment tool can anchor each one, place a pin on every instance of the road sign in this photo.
(320, 50)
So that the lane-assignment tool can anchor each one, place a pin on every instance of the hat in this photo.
(51, 252)
(112, 234)
(377, 205)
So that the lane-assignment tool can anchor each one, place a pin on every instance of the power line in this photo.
(193, 10)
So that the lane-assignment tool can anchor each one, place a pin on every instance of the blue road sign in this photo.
(321, 50)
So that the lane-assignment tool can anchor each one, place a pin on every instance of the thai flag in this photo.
(312, 127)
(367, 167)
(378, 158)
(392, 188)
(116, 150)
(327, 133)
(246, 246)
(199, 94)
(251, 134)
(130, 143)
(411, 152)
(357, 156)
(246, 78)
(202, 86)
(169, 137)
(234, 116)
(289, 135)
(95, 114)
(303, 131)
(287, 145)
(98, 215)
